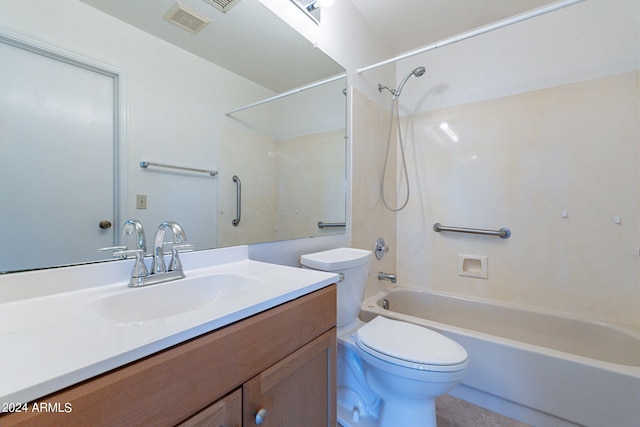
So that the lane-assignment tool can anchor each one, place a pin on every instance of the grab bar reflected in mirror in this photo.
(236, 221)
(145, 165)
(331, 224)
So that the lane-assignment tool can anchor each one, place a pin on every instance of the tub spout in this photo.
(386, 276)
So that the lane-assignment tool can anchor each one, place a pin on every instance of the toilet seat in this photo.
(409, 345)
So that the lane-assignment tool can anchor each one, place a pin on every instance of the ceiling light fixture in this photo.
(312, 9)
(317, 4)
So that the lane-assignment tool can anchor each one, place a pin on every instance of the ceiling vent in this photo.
(186, 18)
(222, 5)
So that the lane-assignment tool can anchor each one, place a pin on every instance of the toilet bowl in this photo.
(388, 372)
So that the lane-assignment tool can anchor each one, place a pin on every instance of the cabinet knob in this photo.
(260, 415)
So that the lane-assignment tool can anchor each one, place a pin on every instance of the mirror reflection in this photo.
(99, 86)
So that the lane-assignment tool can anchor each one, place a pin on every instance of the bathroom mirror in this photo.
(174, 90)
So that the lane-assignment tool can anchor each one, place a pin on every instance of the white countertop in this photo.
(52, 341)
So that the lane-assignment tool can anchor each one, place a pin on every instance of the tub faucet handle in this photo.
(381, 248)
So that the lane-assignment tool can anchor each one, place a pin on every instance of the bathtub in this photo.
(541, 368)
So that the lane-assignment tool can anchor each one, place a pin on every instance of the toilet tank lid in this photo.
(336, 259)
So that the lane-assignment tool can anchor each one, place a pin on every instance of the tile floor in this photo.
(453, 412)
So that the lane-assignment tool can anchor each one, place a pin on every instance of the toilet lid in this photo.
(408, 344)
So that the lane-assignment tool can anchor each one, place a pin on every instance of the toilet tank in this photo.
(353, 265)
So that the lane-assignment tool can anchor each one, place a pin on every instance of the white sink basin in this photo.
(171, 298)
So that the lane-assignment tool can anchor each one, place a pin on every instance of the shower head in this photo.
(396, 92)
(418, 72)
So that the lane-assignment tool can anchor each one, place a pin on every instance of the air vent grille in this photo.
(186, 18)
(222, 5)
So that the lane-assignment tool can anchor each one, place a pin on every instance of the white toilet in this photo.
(389, 372)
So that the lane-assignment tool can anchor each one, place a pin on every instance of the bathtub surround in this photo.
(370, 219)
(520, 162)
(543, 141)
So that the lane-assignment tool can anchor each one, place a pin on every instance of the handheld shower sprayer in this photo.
(417, 72)
(396, 92)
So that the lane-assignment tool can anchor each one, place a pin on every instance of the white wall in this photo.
(545, 115)
(181, 132)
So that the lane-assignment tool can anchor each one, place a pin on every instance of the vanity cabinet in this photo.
(225, 412)
(281, 360)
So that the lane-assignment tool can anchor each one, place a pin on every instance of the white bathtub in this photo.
(542, 368)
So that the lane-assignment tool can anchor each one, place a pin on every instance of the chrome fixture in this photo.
(139, 272)
(145, 165)
(331, 224)
(387, 276)
(236, 220)
(417, 72)
(381, 248)
(503, 233)
(158, 265)
(134, 227)
(140, 275)
(385, 304)
(130, 227)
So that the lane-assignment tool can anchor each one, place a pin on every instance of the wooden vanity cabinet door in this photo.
(225, 412)
(299, 390)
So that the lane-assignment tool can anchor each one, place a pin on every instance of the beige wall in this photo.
(254, 159)
(370, 219)
(311, 184)
(519, 162)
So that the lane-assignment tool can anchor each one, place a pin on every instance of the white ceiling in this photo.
(410, 24)
(250, 34)
(248, 39)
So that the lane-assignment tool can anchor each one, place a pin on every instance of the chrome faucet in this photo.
(130, 227)
(158, 265)
(386, 276)
(159, 273)
(134, 227)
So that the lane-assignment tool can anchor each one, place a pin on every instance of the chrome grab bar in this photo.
(145, 165)
(236, 221)
(503, 233)
(331, 224)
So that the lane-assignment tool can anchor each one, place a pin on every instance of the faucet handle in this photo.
(115, 249)
(175, 264)
(139, 269)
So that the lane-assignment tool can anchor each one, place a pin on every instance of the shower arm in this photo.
(380, 87)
